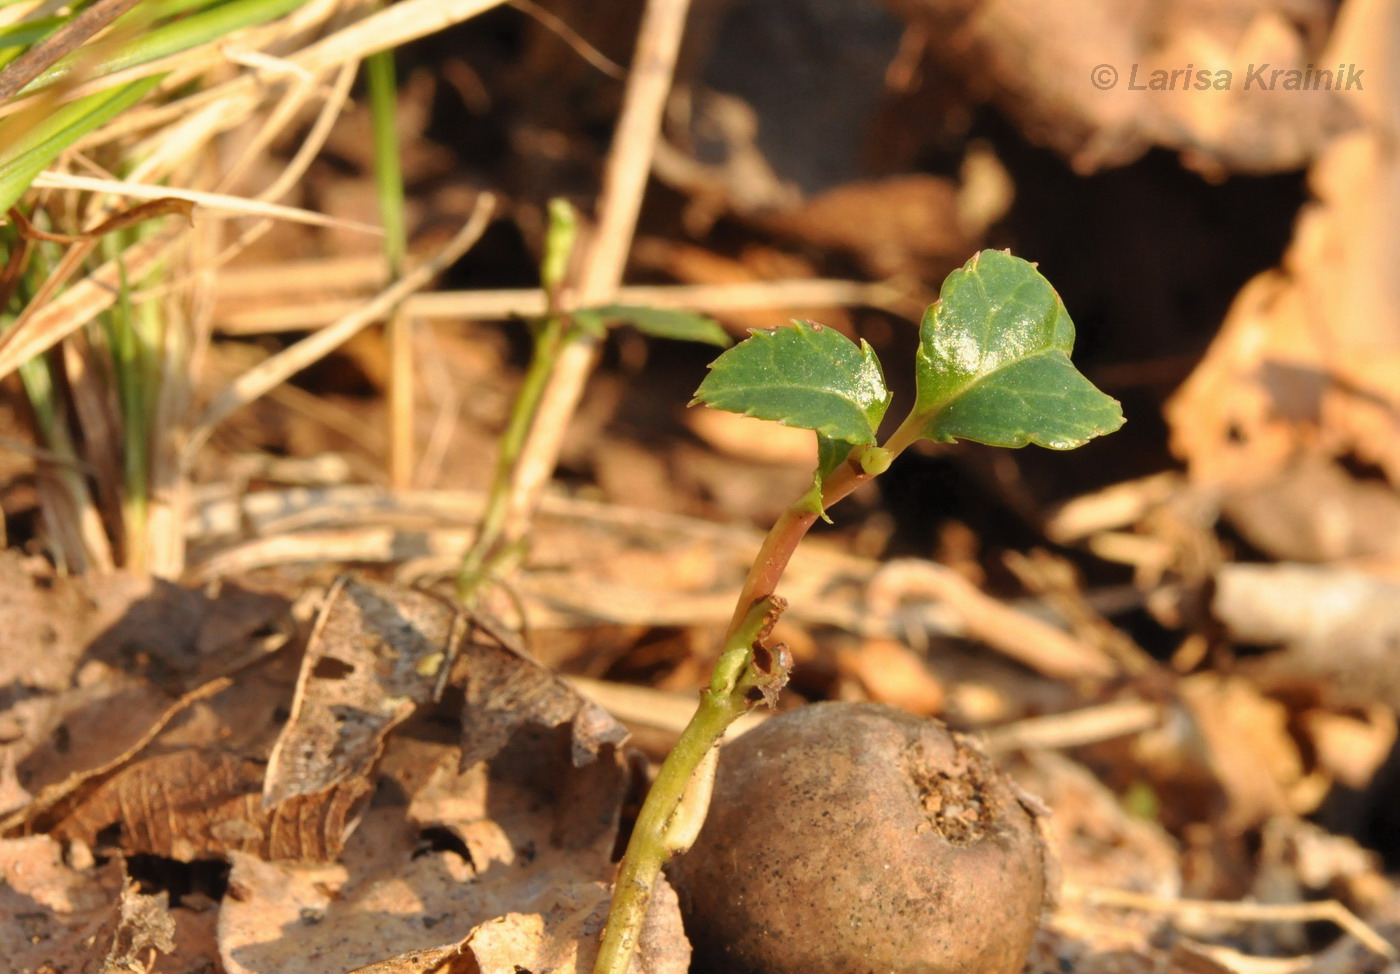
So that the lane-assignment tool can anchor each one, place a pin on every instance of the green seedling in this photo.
(993, 366)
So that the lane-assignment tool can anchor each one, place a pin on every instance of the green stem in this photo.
(487, 555)
(492, 552)
(648, 849)
(388, 171)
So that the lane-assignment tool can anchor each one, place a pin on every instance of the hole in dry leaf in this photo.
(330, 668)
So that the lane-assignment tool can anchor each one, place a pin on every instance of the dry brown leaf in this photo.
(1246, 745)
(1064, 73)
(376, 653)
(448, 959)
(890, 672)
(195, 804)
(754, 440)
(1337, 626)
(1093, 838)
(1351, 747)
(1313, 510)
(506, 689)
(529, 850)
(56, 799)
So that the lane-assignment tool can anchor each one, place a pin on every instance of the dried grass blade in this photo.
(41, 328)
(257, 381)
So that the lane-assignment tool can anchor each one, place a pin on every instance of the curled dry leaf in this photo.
(1308, 354)
(1337, 626)
(1074, 78)
(143, 927)
(195, 804)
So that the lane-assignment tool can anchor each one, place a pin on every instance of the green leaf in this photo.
(994, 367)
(681, 326)
(806, 376)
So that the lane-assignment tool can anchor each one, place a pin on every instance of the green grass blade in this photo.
(24, 153)
(204, 27)
(388, 171)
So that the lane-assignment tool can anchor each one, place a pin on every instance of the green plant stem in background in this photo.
(388, 171)
(492, 553)
(388, 181)
(136, 394)
(653, 842)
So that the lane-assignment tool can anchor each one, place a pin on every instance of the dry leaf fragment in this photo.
(506, 689)
(374, 656)
(144, 927)
(890, 672)
(194, 804)
(392, 904)
(1337, 625)
(49, 911)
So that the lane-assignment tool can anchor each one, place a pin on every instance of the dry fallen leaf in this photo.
(377, 652)
(51, 912)
(197, 804)
(482, 859)
(1308, 355)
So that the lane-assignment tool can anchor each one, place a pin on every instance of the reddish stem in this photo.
(783, 538)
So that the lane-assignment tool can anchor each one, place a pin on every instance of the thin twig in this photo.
(516, 303)
(277, 369)
(1269, 912)
(560, 28)
(624, 182)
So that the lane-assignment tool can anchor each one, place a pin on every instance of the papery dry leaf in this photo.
(890, 672)
(195, 804)
(1246, 745)
(506, 689)
(1336, 625)
(1313, 510)
(755, 440)
(1092, 837)
(1351, 747)
(448, 959)
(56, 799)
(564, 939)
(1073, 77)
(377, 652)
